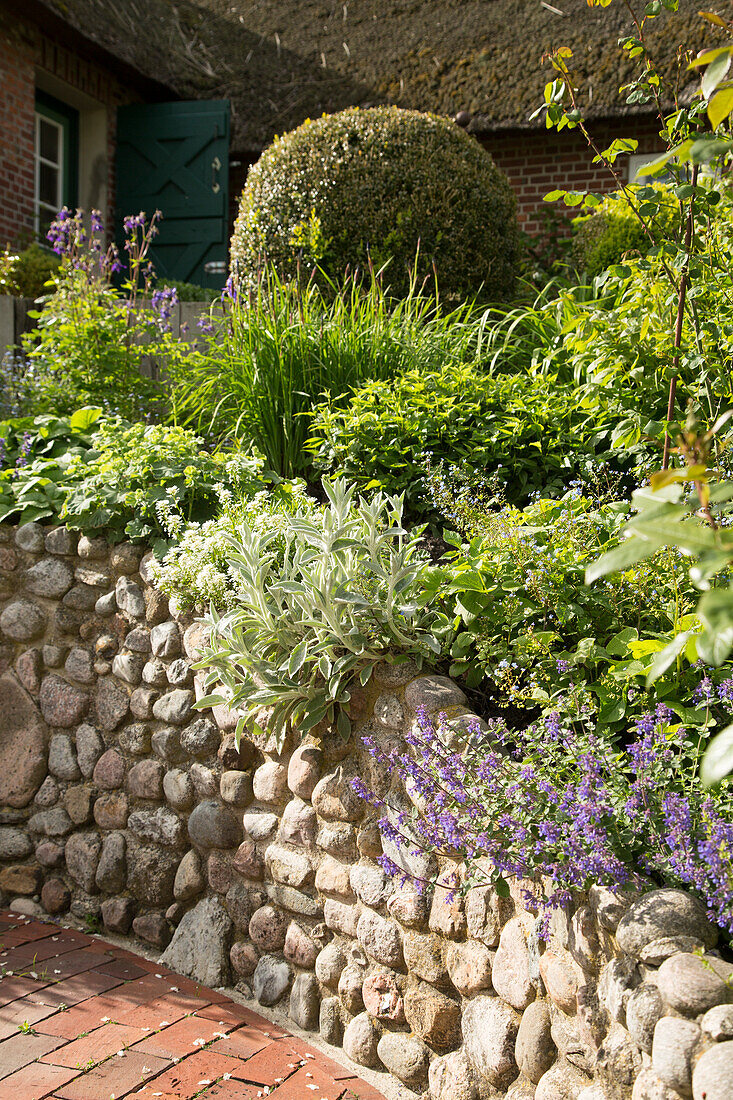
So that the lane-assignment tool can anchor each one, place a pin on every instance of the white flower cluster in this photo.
(196, 569)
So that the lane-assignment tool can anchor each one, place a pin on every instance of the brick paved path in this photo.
(83, 1020)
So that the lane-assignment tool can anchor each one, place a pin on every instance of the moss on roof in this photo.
(281, 61)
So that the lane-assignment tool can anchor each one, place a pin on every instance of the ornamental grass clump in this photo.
(288, 344)
(560, 806)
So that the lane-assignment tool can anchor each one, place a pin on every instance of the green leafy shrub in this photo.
(521, 622)
(614, 342)
(605, 236)
(140, 480)
(260, 372)
(93, 342)
(35, 455)
(124, 480)
(530, 432)
(689, 509)
(84, 349)
(381, 185)
(309, 618)
(27, 274)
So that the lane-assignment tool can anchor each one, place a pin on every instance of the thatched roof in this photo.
(281, 61)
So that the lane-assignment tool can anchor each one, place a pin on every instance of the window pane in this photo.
(48, 185)
(49, 140)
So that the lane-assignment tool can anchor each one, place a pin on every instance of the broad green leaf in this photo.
(689, 535)
(469, 581)
(712, 17)
(209, 701)
(614, 712)
(715, 611)
(706, 149)
(654, 167)
(619, 644)
(715, 72)
(708, 56)
(720, 106)
(83, 419)
(343, 724)
(667, 657)
(621, 557)
(717, 762)
(297, 658)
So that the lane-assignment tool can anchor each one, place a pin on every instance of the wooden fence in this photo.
(14, 319)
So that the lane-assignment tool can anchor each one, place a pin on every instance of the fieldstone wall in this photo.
(258, 869)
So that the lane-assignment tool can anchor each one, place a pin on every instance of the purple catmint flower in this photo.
(725, 692)
(24, 451)
(704, 693)
(553, 726)
(557, 805)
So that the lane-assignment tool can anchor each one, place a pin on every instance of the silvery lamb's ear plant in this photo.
(310, 620)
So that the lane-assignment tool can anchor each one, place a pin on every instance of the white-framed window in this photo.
(56, 159)
(49, 157)
(637, 161)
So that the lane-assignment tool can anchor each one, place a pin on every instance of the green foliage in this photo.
(109, 476)
(312, 615)
(283, 348)
(625, 340)
(614, 342)
(381, 186)
(35, 455)
(529, 432)
(612, 231)
(520, 621)
(140, 480)
(690, 509)
(94, 342)
(197, 569)
(27, 274)
(88, 348)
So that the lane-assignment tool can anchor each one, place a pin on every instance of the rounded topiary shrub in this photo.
(380, 186)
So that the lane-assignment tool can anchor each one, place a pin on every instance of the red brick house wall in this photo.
(24, 50)
(16, 140)
(539, 161)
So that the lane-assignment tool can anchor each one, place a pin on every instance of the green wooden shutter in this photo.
(174, 157)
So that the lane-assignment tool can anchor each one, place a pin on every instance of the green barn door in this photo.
(174, 157)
